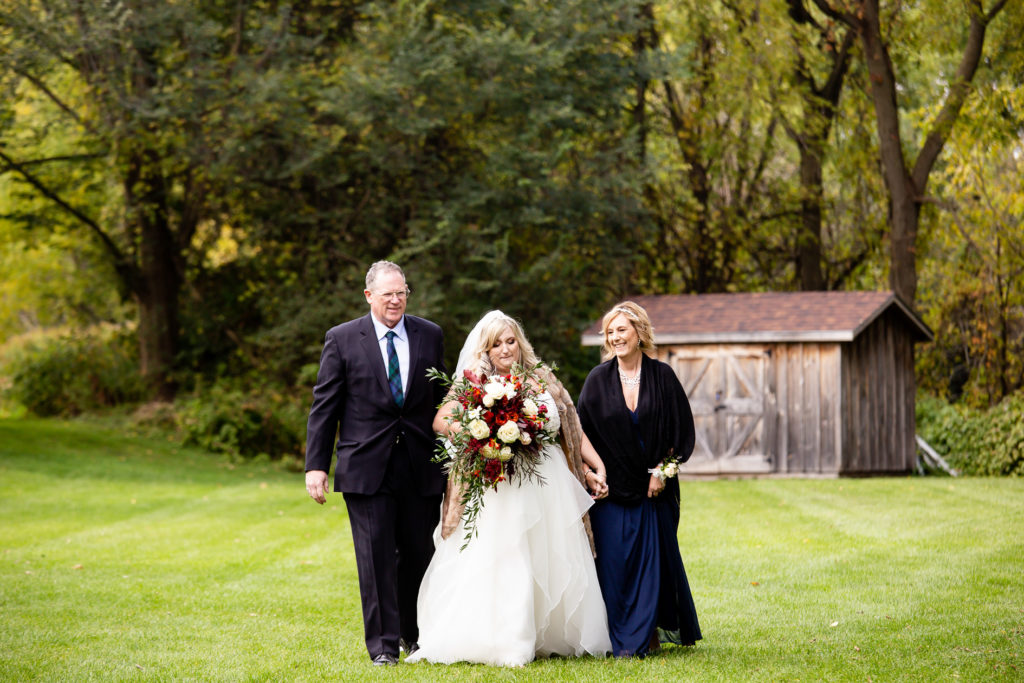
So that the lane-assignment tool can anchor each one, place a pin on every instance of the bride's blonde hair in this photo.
(490, 333)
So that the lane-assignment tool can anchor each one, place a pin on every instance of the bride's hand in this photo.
(597, 484)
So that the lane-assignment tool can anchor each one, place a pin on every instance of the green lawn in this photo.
(130, 558)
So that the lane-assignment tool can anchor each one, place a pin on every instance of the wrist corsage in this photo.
(666, 469)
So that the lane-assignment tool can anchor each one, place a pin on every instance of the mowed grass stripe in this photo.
(196, 568)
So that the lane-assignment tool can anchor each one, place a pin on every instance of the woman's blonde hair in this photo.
(490, 333)
(641, 322)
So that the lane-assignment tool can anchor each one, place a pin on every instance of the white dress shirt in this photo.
(401, 347)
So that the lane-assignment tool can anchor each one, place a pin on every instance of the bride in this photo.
(525, 586)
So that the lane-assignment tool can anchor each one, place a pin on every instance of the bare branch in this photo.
(798, 13)
(65, 157)
(841, 64)
(52, 96)
(958, 91)
(119, 259)
(950, 207)
(831, 12)
(994, 11)
(239, 28)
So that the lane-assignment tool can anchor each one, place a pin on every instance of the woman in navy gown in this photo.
(636, 417)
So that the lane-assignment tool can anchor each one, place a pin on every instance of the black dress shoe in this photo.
(385, 660)
(410, 647)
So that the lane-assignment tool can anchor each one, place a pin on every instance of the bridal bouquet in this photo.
(500, 431)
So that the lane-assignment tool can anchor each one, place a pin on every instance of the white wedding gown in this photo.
(525, 586)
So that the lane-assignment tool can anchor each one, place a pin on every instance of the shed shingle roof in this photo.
(765, 317)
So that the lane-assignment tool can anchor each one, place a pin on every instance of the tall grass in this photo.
(131, 558)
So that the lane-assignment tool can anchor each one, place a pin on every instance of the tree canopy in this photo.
(221, 174)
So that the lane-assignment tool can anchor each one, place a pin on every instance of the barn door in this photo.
(727, 389)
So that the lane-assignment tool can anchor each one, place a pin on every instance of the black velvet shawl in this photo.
(665, 424)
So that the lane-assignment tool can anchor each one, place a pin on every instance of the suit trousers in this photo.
(392, 531)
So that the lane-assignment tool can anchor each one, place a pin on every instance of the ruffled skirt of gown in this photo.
(525, 585)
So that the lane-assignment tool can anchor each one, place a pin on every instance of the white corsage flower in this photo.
(474, 413)
(509, 432)
(665, 470)
(479, 429)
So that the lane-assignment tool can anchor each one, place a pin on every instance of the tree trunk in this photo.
(158, 336)
(903, 205)
(159, 280)
(808, 253)
(906, 188)
(819, 111)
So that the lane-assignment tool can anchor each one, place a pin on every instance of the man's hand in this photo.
(316, 485)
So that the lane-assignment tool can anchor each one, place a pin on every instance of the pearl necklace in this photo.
(629, 381)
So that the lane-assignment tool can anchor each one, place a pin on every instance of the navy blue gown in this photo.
(639, 567)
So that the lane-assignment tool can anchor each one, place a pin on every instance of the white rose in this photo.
(493, 390)
(510, 390)
(509, 432)
(529, 408)
(671, 469)
(479, 429)
(489, 453)
(525, 438)
(505, 453)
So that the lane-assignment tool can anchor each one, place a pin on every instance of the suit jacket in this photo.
(352, 398)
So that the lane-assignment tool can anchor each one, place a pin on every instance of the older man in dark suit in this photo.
(372, 390)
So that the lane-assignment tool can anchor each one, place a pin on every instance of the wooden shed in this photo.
(792, 383)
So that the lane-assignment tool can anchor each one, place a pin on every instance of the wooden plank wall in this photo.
(807, 380)
(833, 408)
(878, 395)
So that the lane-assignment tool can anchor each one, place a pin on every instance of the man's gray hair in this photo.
(381, 267)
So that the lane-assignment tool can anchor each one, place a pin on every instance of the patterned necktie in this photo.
(394, 375)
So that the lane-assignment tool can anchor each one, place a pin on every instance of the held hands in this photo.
(655, 486)
(596, 482)
(316, 485)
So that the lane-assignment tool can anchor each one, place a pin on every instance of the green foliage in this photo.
(246, 423)
(973, 277)
(50, 281)
(982, 442)
(502, 152)
(66, 373)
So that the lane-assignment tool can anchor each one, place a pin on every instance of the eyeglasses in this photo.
(402, 294)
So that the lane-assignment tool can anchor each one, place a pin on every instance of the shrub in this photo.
(248, 423)
(66, 374)
(981, 442)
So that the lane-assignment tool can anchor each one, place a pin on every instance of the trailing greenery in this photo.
(128, 558)
(65, 373)
(976, 441)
